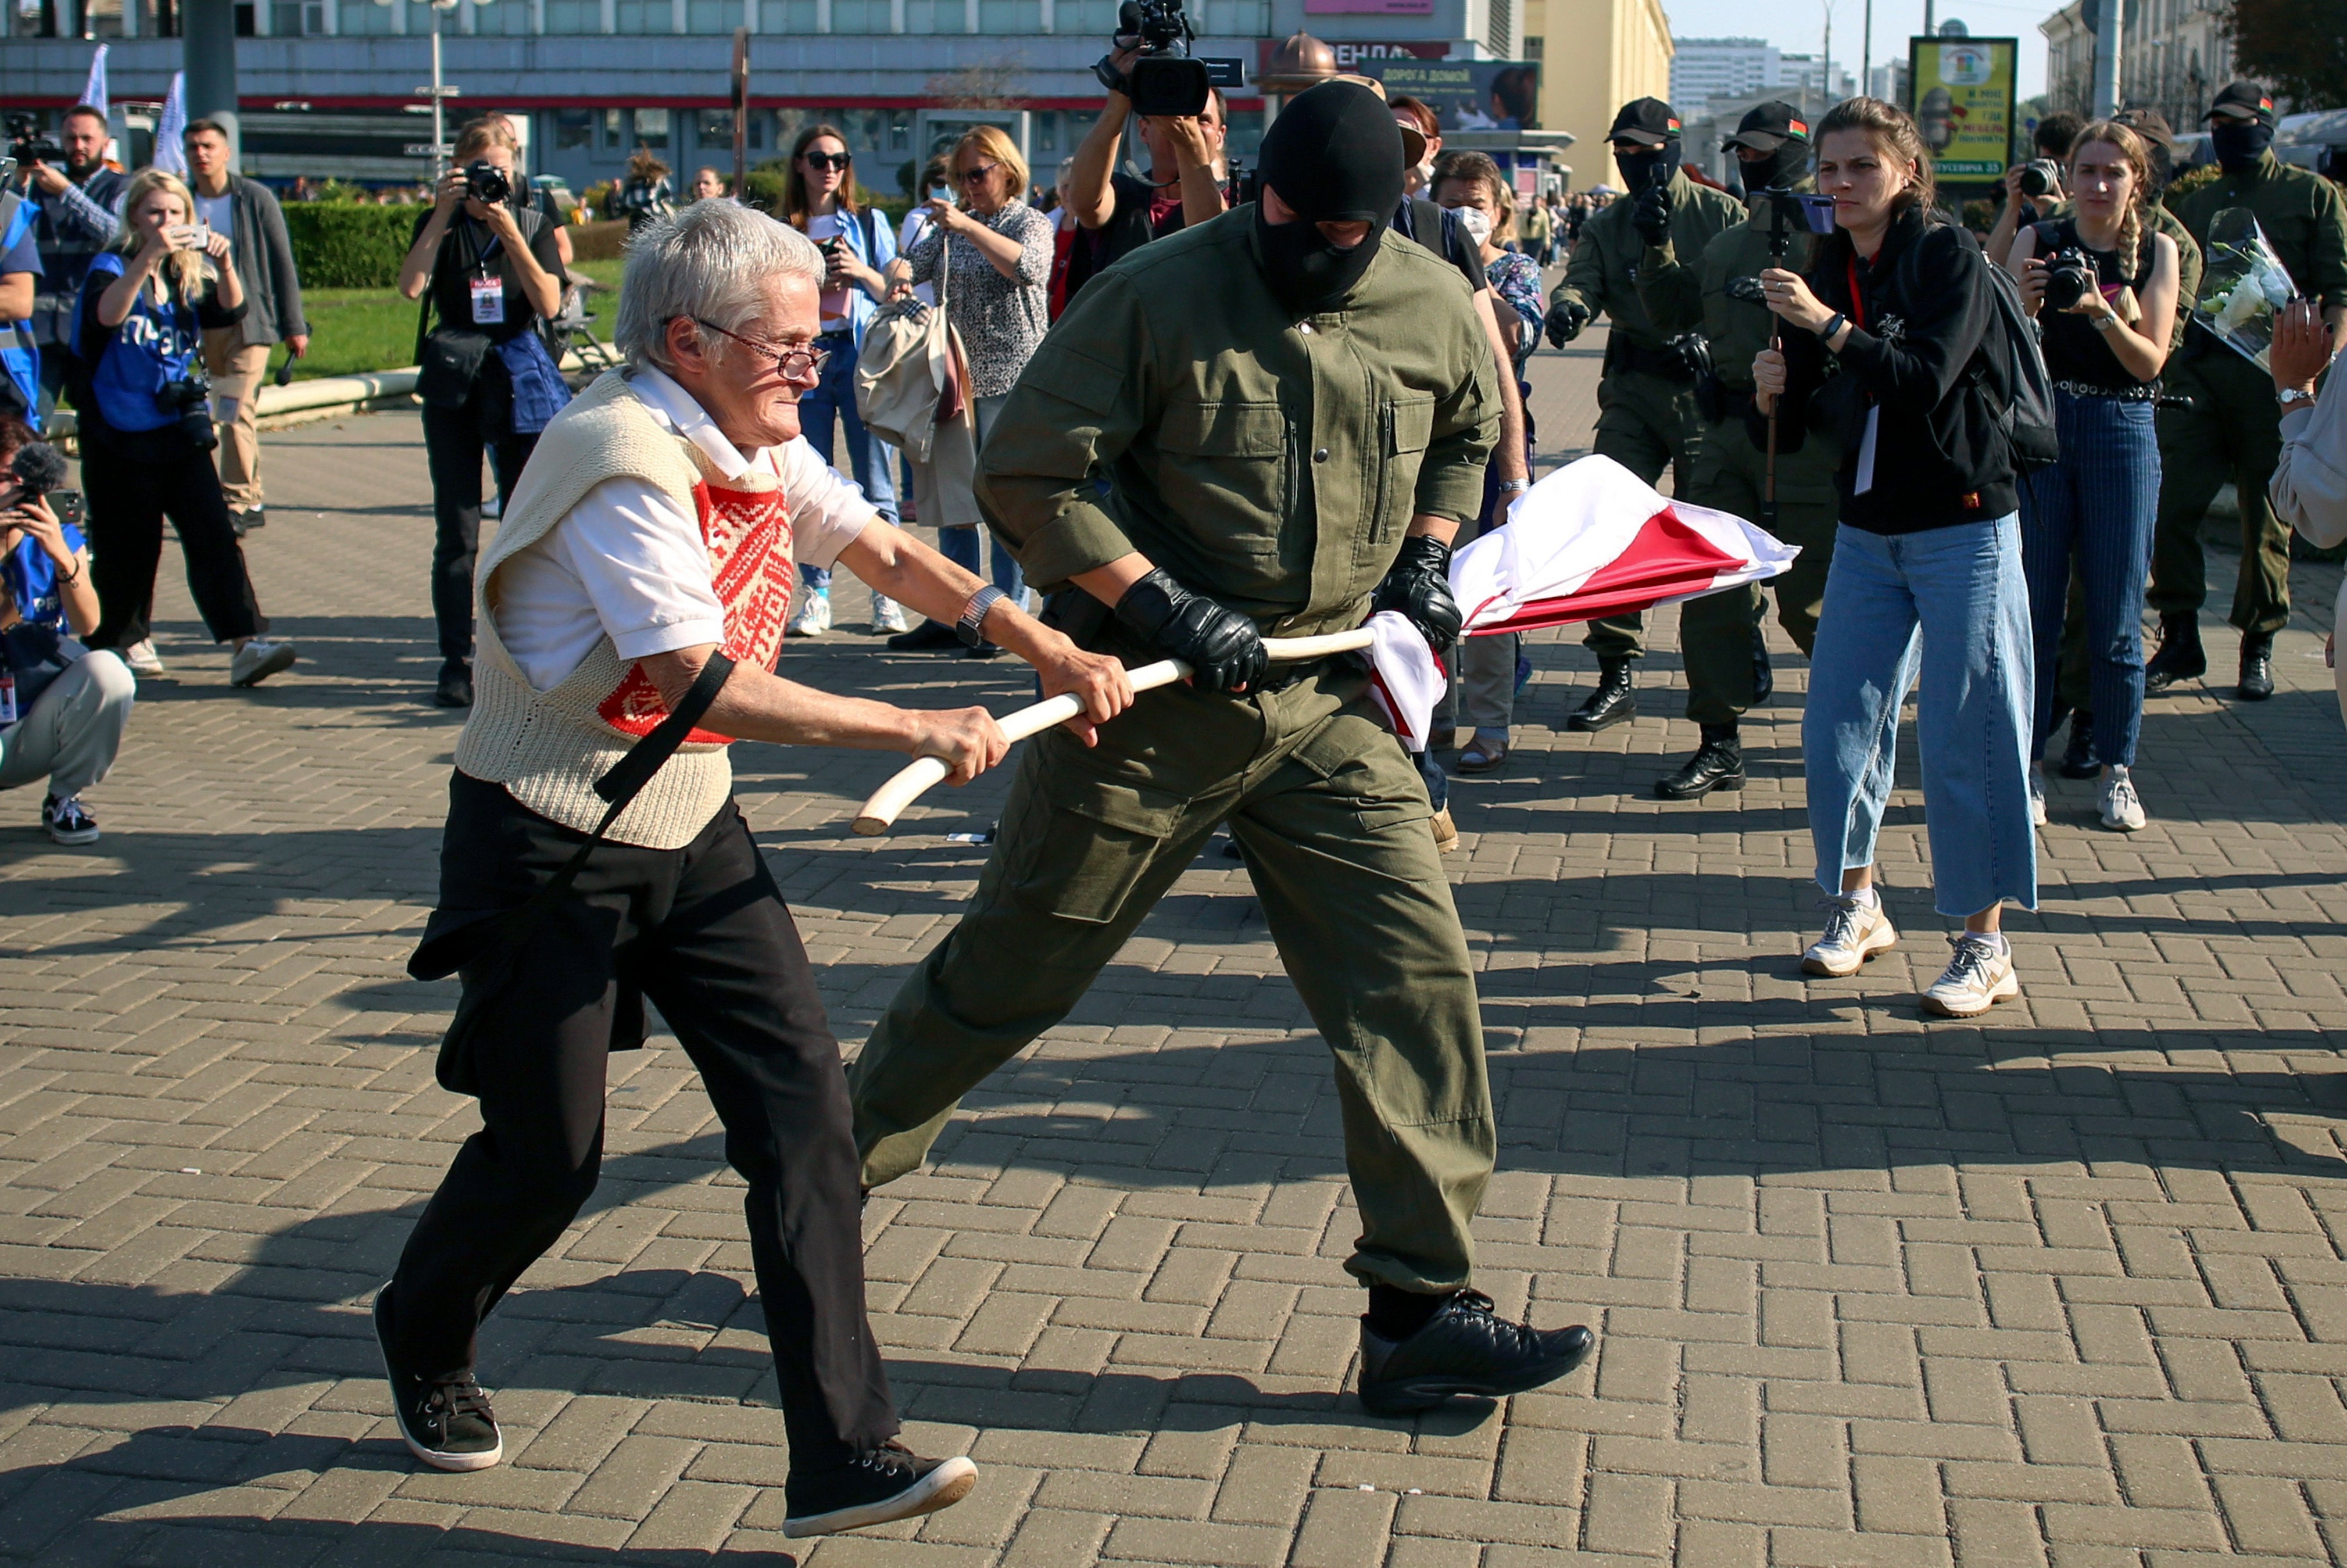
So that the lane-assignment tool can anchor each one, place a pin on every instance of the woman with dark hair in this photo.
(820, 200)
(1927, 577)
(644, 195)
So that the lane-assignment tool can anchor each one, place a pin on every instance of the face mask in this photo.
(2239, 146)
(1307, 273)
(1476, 223)
(1786, 167)
(1639, 168)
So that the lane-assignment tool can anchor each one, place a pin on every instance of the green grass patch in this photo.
(354, 331)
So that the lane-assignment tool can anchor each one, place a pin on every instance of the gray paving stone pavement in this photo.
(2060, 1287)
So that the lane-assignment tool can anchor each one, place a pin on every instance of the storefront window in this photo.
(572, 15)
(573, 127)
(651, 130)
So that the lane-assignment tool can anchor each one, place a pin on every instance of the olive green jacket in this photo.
(1681, 296)
(1270, 464)
(1603, 272)
(2303, 216)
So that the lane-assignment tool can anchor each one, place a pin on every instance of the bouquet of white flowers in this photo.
(2242, 284)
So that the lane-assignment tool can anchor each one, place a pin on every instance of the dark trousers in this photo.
(2231, 430)
(454, 440)
(130, 490)
(703, 932)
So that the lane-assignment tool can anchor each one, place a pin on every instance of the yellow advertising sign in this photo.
(1963, 100)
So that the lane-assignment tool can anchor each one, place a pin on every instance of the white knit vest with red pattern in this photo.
(548, 748)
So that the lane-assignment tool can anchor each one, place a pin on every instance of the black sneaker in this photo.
(447, 1422)
(2257, 669)
(928, 637)
(1465, 1348)
(68, 821)
(889, 1483)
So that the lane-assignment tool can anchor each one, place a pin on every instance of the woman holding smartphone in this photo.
(1926, 579)
(147, 430)
(820, 200)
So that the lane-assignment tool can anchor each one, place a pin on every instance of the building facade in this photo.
(2174, 55)
(1702, 69)
(1596, 55)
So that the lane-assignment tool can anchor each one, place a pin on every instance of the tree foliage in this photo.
(2297, 47)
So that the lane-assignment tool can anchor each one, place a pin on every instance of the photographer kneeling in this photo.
(63, 709)
(486, 380)
(146, 430)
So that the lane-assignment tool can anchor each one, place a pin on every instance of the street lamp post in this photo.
(437, 92)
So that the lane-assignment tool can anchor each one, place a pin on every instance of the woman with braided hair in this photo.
(2106, 344)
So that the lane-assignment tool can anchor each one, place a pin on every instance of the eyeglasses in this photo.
(796, 362)
(972, 176)
(829, 159)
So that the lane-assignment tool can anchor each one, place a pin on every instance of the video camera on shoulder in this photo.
(1164, 80)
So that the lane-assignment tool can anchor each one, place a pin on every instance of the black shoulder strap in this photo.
(871, 234)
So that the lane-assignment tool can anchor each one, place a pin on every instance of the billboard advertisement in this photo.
(1467, 95)
(1963, 98)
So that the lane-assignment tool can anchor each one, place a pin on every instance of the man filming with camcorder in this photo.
(1184, 121)
(490, 273)
(73, 196)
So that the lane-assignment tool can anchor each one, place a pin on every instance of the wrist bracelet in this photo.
(1514, 487)
(2106, 322)
(1833, 324)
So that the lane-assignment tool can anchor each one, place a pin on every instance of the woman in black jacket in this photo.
(1887, 342)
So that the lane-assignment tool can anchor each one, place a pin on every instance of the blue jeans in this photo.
(2100, 499)
(959, 544)
(1951, 604)
(834, 398)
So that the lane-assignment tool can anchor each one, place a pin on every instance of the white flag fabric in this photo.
(171, 129)
(1592, 540)
(94, 95)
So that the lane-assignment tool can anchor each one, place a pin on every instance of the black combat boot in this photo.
(1613, 701)
(2079, 759)
(2256, 667)
(2179, 657)
(1719, 764)
(1463, 1346)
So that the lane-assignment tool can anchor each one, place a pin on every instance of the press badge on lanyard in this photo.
(488, 300)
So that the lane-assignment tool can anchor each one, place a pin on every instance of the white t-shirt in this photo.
(629, 563)
(217, 212)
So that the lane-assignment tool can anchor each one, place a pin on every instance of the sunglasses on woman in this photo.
(829, 159)
(984, 171)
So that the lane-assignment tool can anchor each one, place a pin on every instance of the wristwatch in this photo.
(2290, 397)
(973, 615)
(1514, 487)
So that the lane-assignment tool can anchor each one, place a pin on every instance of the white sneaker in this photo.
(1855, 932)
(2122, 811)
(1979, 974)
(813, 617)
(888, 615)
(258, 659)
(142, 658)
(2037, 795)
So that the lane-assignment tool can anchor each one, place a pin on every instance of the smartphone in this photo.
(69, 507)
(186, 236)
(940, 193)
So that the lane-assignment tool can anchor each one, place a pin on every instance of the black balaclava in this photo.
(1783, 169)
(1638, 168)
(2239, 144)
(1333, 155)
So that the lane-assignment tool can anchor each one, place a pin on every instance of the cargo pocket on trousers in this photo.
(1366, 768)
(1101, 838)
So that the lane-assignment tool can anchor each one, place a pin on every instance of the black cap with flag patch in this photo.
(2243, 100)
(1768, 126)
(1649, 122)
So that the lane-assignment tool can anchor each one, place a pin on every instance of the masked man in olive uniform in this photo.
(1720, 634)
(2233, 428)
(1295, 407)
(1647, 419)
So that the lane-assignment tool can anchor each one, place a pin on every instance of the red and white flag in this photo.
(1592, 540)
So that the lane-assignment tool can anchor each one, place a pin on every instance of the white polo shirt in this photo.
(627, 562)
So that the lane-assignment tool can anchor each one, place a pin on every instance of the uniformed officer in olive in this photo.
(1648, 420)
(2233, 429)
(1719, 294)
(1293, 405)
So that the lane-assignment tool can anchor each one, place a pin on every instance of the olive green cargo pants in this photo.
(1717, 631)
(2232, 431)
(1647, 423)
(1332, 818)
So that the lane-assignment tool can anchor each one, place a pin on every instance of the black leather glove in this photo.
(1222, 647)
(1566, 319)
(1419, 585)
(1652, 216)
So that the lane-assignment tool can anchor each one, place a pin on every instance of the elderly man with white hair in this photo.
(632, 607)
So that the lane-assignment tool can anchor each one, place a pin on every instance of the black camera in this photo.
(27, 145)
(1164, 80)
(485, 183)
(2070, 276)
(2040, 177)
(191, 396)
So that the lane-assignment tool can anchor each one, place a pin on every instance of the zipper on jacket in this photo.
(1380, 525)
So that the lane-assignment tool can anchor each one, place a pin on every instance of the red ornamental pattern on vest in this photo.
(748, 533)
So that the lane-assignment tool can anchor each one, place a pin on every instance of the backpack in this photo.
(2020, 390)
